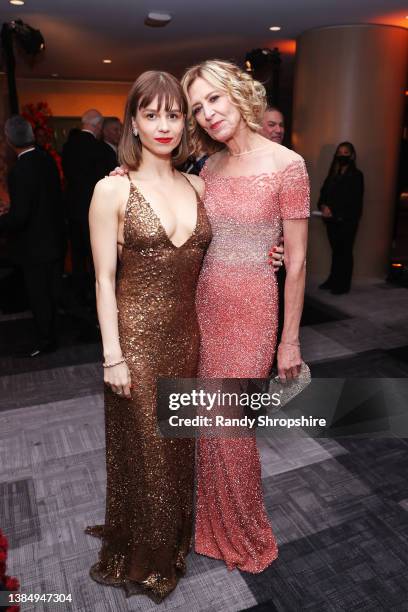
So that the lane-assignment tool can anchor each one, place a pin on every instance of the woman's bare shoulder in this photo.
(279, 157)
(109, 193)
(282, 153)
(197, 182)
(111, 185)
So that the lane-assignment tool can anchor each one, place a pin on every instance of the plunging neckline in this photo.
(155, 214)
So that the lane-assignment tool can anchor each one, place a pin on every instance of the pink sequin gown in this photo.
(237, 304)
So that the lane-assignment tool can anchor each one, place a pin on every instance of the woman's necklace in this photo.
(250, 151)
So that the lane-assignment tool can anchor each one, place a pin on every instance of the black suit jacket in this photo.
(35, 220)
(111, 158)
(84, 164)
(343, 194)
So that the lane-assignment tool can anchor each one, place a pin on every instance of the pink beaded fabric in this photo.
(237, 304)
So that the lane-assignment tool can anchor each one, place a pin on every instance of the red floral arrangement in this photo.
(7, 583)
(39, 115)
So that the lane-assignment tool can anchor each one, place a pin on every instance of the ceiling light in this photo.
(17, 2)
(275, 28)
(157, 20)
(107, 61)
(55, 75)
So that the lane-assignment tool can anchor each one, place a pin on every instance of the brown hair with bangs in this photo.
(145, 89)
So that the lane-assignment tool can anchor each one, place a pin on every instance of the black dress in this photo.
(343, 194)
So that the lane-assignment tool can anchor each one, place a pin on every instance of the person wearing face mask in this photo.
(341, 203)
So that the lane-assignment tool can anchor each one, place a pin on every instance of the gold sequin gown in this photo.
(149, 507)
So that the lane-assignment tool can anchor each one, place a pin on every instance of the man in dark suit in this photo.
(84, 164)
(36, 228)
(111, 133)
(273, 124)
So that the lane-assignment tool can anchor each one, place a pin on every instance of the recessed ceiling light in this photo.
(17, 2)
(275, 28)
(157, 20)
(55, 75)
(107, 61)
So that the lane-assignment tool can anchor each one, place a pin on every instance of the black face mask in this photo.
(343, 159)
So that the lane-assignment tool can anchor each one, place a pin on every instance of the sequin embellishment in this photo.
(148, 523)
(237, 305)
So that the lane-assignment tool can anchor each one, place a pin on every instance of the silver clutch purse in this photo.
(289, 390)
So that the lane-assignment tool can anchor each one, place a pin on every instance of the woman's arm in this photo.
(294, 202)
(322, 201)
(103, 223)
(295, 237)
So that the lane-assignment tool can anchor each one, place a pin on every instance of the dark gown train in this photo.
(149, 507)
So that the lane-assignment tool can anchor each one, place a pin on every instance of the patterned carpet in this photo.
(338, 507)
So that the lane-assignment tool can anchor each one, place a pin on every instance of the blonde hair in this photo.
(245, 93)
(145, 89)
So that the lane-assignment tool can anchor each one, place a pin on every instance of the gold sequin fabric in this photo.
(148, 524)
(237, 304)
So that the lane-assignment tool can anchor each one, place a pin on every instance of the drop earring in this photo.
(135, 132)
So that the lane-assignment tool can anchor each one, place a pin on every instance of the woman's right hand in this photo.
(118, 378)
(119, 171)
(326, 212)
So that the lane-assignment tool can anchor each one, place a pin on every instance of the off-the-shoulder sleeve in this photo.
(294, 193)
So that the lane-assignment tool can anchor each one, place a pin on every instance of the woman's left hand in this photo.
(289, 361)
(276, 257)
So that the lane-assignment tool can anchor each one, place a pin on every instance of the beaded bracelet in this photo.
(115, 363)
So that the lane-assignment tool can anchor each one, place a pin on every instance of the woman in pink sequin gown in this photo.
(254, 190)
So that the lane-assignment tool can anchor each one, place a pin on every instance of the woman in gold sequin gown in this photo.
(149, 329)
